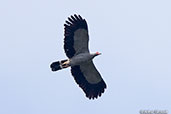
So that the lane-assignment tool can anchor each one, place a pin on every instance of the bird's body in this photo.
(79, 58)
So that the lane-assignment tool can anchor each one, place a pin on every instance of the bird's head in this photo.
(92, 55)
(97, 53)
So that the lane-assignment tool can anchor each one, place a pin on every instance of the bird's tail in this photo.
(58, 65)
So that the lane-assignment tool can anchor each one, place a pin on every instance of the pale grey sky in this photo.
(133, 36)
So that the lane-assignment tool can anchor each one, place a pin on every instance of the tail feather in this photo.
(55, 66)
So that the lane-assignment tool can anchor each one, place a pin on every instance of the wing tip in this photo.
(97, 91)
(75, 22)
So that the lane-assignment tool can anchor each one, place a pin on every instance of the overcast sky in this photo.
(134, 37)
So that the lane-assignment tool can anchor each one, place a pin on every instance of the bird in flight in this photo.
(80, 60)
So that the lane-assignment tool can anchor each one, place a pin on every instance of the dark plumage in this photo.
(91, 90)
(70, 27)
(76, 48)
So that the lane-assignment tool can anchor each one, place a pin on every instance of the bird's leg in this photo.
(65, 64)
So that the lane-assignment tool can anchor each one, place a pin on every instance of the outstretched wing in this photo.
(89, 79)
(76, 36)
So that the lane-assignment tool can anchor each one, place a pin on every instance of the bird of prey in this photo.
(85, 74)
